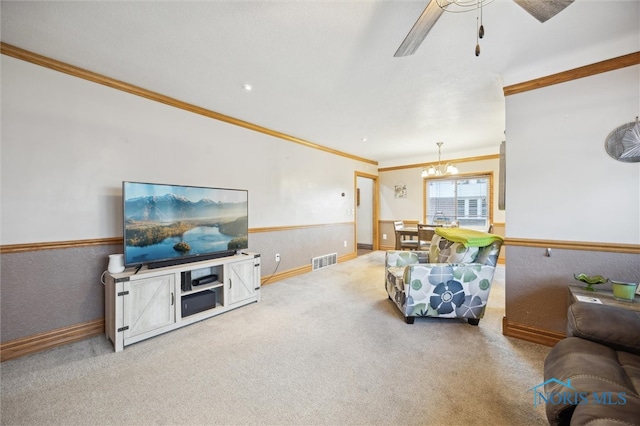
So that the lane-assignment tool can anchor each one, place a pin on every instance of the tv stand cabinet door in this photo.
(149, 306)
(243, 280)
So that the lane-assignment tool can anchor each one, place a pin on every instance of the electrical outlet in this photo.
(384, 236)
(277, 257)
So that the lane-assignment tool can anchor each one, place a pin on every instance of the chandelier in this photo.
(439, 170)
(460, 6)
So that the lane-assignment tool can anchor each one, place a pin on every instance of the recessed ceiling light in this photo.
(247, 87)
(364, 139)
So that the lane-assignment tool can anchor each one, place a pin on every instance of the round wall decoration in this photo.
(623, 143)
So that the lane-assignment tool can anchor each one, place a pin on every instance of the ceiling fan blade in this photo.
(543, 10)
(420, 29)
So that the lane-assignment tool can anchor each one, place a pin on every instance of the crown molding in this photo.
(574, 74)
(454, 160)
(34, 58)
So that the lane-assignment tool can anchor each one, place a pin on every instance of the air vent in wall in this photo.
(324, 261)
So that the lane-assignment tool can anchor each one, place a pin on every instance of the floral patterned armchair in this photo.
(451, 280)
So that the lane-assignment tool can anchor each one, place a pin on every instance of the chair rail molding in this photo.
(52, 245)
(575, 245)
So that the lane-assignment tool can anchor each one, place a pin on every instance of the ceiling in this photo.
(324, 71)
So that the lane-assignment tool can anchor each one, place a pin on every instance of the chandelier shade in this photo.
(439, 169)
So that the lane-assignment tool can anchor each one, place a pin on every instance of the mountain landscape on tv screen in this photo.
(171, 208)
(167, 226)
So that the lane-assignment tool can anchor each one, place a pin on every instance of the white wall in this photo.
(67, 145)
(561, 183)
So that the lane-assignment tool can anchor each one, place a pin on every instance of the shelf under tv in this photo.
(198, 289)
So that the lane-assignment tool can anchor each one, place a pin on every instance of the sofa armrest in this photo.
(405, 258)
(608, 325)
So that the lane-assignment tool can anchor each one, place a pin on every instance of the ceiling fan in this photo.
(542, 10)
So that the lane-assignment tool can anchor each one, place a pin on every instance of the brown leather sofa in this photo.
(593, 376)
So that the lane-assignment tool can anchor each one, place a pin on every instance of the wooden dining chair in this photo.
(425, 235)
(402, 242)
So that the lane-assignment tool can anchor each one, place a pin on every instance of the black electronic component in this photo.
(204, 280)
(198, 302)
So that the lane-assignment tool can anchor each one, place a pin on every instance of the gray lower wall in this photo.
(536, 285)
(298, 246)
(48, 289)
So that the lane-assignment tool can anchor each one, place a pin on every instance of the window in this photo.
(464, 200)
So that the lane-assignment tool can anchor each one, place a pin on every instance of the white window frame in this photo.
(428, 215)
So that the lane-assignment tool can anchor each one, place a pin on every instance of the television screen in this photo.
(173, 224)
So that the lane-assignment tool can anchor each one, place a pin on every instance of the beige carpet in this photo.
(324, 348)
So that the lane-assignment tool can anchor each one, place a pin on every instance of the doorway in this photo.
(366, 212)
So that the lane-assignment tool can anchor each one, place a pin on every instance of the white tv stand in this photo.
(154, 301)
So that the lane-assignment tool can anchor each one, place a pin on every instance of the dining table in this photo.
(411, 232)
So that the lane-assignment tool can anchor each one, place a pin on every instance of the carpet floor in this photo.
(323, 348)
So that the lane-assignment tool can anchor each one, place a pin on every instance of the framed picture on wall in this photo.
(400, 190)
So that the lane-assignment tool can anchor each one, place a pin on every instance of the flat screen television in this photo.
(168, 225)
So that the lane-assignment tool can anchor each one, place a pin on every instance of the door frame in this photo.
(374, 224)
